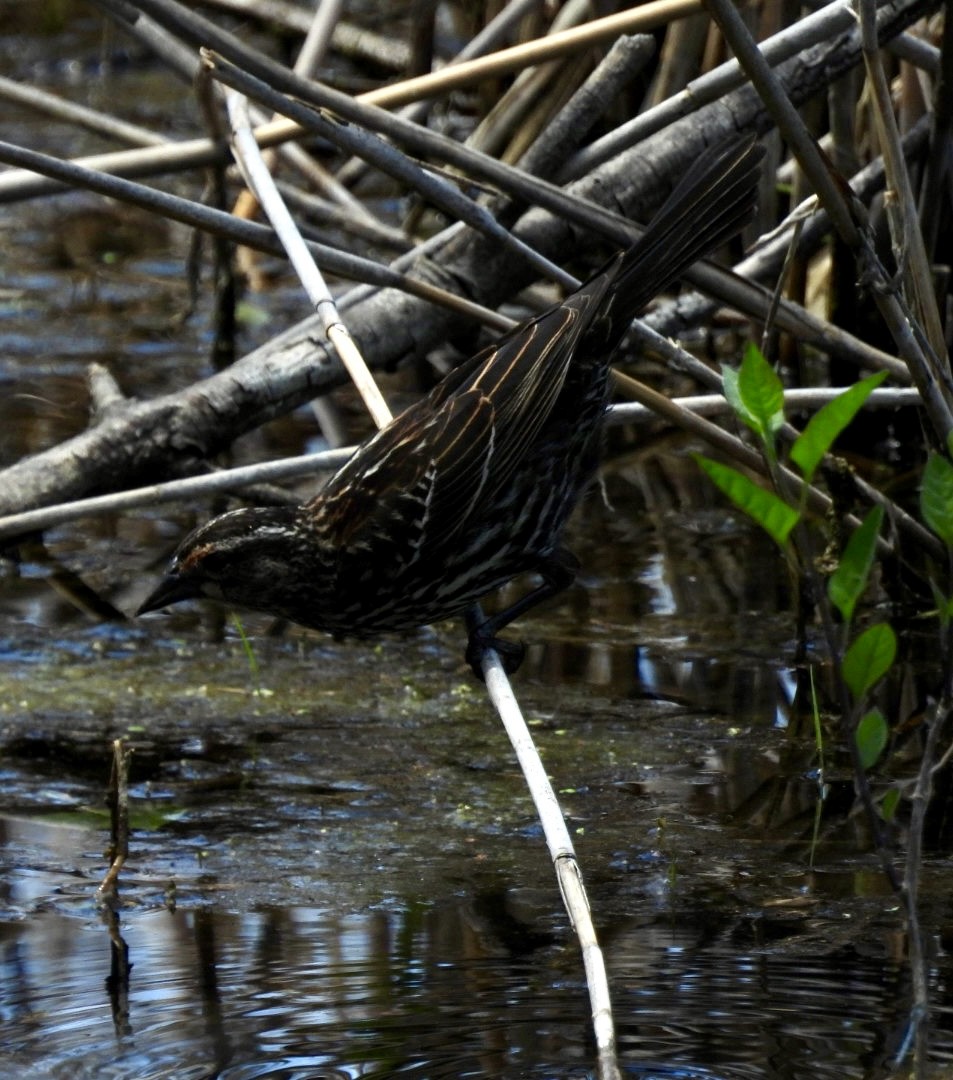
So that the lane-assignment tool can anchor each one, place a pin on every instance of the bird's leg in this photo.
(558, 572)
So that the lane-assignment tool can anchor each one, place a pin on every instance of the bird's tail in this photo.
(710, 205)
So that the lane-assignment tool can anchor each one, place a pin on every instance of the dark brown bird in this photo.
(473, 484)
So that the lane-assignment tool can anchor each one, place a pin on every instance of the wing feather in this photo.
(456, 448)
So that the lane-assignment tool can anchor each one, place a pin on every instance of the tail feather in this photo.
(706, 210)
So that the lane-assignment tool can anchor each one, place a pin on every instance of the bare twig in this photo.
(118, 802)
(259, 181)
(563, 854)
(173, 491)
(68, 111)
(672, 410)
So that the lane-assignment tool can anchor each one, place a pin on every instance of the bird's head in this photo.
(240, 557)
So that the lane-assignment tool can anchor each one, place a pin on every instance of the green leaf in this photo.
(771, 513)
(729, 384)
(847, 583)
(828, 422)
(869, 658)
(871, 737)
(891, 801)
(761, 394)
(936, 497)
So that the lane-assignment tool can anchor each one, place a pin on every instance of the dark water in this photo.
(335, 870)
(425, 991)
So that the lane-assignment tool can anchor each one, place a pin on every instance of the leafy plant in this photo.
(860, 661)
(772, 513)
(849, 580)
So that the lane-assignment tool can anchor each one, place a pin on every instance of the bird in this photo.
(472, 485)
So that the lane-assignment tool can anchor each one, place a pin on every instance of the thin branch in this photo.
(70, 112)
(233, 480)
(559, 842)
(812, 397)
(259, 180)
(173, 491)
(248, 233)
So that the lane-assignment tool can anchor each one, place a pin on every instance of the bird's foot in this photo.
(511, 653)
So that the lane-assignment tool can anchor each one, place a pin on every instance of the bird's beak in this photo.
(170, 590)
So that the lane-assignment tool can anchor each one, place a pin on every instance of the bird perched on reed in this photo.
(473, 484)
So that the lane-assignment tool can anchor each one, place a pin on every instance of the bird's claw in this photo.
(511, 653)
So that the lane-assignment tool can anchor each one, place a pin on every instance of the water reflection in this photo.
(431, 991)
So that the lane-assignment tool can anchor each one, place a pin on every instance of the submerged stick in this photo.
(568, 873)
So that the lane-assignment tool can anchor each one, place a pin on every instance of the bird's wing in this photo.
(417, 467)
(524, 373)
(452, 450)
